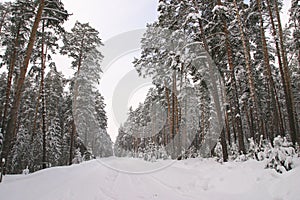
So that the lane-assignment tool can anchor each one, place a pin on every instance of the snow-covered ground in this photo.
(133, 179)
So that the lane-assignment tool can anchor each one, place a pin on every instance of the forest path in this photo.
(134, 179)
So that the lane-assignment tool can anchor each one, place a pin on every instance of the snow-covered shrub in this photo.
(129, 154)
(219, 152)
(264, 149)
(153, 152)
(267, 150)
(233, 152)
(150, 154)
(25, 171)
(261, 155)
(77, 158)
(241, 158)
(191, 152)
(163, 153)
(257, 151)
(87, 155)
(140, 152)
(253, 149)
(281, 158)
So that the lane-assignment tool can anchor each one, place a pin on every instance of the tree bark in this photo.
(248, 67)
(269, 76)
(237, 110)
(72, 140)
(283, 68)
(169, 111)
(44, 157)
(286, 74)
(11, 126)
(10, 76)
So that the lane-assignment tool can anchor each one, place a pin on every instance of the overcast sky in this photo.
(112, 18)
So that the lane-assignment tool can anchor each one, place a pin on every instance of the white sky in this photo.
(112, 18)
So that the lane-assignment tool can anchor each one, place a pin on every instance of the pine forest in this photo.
(225, 78)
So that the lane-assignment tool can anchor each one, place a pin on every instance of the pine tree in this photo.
(21, 152)
(277, 32)
(15, 40)
(4, 13)
(53, 17)
(67, 125)
(252, 89)
(11, 125)
(100, 110)
(3, 77)
(81, 44)
(293, 52)
(54, 97)
(54, 141)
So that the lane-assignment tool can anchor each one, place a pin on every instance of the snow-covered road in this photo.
(133, 179)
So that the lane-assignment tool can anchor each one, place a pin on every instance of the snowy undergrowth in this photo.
(189, 179)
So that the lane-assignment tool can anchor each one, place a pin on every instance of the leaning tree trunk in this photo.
(11, 125)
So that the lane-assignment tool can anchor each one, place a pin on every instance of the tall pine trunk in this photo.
(237, 111)
(248, 69)
(283, 69)
(44, 157)
(270, 80)
(11, 125)
(169, 113)
(291, 107)
(12, 64)
(72, 140)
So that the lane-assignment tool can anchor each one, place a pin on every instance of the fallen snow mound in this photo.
(191, 179)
